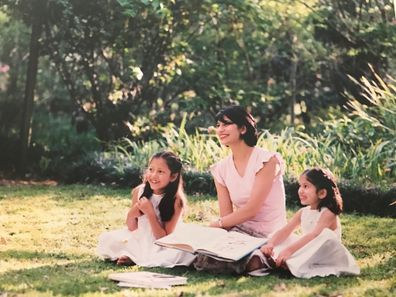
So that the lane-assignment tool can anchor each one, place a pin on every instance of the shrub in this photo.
(104, 170)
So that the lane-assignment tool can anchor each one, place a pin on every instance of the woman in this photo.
(249, 186)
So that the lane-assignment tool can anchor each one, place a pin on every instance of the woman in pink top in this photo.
(249, 185)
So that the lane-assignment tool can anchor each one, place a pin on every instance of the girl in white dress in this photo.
(318, 251)
(156, 210)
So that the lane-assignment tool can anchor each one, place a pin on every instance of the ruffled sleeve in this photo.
(216, 171)
(264, 156)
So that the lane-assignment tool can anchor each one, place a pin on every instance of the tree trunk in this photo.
(27, 110)
(293, 83)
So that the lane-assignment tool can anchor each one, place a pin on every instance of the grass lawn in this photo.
(48, 237)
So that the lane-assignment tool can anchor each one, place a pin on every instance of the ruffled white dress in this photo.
(139, 245)
(325, 255)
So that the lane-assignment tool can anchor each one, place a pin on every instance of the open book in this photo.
(214, 242)
(146, 279)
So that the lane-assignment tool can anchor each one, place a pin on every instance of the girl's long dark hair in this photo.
(167, 204)
(324, 179)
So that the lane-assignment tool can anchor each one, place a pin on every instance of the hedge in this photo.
(373, 201)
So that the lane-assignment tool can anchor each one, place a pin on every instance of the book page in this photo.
(232, 246)
(151, 286)
(147, 278)
(190, 237)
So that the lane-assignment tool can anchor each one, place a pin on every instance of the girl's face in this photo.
(159, 175)
(228, 132)
(308, 193)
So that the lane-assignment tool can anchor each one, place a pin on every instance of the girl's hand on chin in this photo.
(145, 205)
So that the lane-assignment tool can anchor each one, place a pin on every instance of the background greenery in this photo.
(119, 80)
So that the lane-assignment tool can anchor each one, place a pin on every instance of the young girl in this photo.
(318, 251)
(156, 210)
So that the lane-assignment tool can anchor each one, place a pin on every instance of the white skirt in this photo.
(324, 255)
(140, 248)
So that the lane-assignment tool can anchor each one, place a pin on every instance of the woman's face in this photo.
(228, 132)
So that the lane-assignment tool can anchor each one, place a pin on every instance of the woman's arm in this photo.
(225, 204)
(134, 212)
(224, 200)
(326, 220)
(261, 188)
(157, 228)
(283, 233)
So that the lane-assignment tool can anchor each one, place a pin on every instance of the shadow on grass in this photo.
(279, 282)
(79, 275)
(66, 279)
(65, 193)
(28, 255)
(381, 271)
(82, 276)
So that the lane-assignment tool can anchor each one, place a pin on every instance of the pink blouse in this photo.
(272, 213)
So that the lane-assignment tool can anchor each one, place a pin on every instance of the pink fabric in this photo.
(272, 213)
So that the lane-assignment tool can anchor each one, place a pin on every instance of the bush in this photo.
(375, 201)
(101, 169)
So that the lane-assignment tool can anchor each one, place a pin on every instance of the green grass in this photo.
(51, 234)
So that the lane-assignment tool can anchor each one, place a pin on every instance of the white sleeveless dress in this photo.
(139, 244)
(322, 256)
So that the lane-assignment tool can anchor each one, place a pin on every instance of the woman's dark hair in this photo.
(167, 203)
(241, 118)
(324, 179)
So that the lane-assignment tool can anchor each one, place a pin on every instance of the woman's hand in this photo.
(267, 249)
(145, 206)
(216, 224)
(283, 256)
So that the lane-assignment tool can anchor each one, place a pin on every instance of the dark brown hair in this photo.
(241, 118)
(167, 204)
(324, 179)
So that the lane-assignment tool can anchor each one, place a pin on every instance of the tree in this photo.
(32, 13)
(120, 61)
(37, 9)
(357, 34)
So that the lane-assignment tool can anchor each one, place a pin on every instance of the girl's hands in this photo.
(131, 220)
(283, 256)
(134, 212)
(145, 206)
(267, 249)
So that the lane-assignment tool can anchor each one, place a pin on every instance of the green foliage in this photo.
(364, 141)
(133, 66)
(356, 33)
(52, 153)
(53, 254)
(365, 166)
(127, 63)
(14, 43)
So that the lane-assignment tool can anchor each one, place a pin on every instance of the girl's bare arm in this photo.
(134, 212)
(326, 220)
(168, 227)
